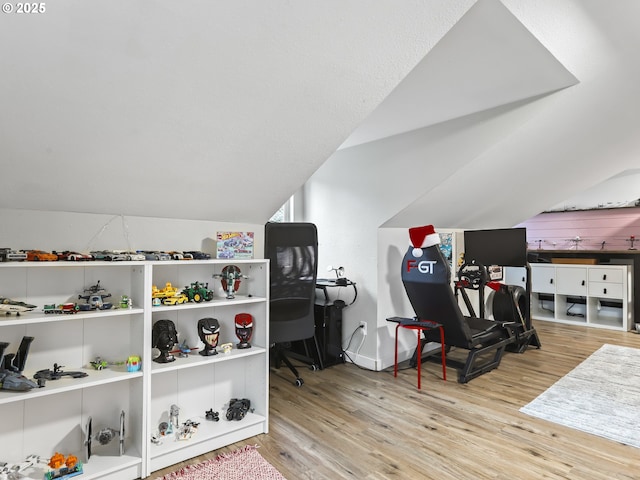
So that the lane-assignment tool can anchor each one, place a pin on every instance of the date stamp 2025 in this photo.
(24, 8)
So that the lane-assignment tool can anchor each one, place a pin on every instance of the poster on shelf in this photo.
(234, 245)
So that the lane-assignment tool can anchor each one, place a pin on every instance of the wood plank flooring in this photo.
(350, 423)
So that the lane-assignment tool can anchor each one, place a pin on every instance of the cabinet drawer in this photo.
(605, 290)
(608, 275)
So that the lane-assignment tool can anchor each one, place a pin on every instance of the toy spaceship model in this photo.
(230, 278)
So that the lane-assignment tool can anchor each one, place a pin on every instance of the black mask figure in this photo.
(244, 329)
(209, 332)
(164, 337)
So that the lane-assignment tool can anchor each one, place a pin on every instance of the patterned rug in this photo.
(243, 464)
(600, 396)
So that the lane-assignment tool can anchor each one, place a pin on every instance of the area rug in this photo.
(600, 396)
(243, 464)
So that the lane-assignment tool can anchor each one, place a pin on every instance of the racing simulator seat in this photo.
(292, 249)
(427, 280)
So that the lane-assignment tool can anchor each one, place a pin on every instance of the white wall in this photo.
(32, 229)
(360, 188)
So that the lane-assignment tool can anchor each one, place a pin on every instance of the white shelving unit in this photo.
(592, 295)
(53, 419)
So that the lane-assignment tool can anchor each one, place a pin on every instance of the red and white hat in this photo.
(423, 237)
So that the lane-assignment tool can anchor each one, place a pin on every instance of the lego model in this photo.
(108, 256)
(56, 374)
(180, 255)
(211, 415)
(9, 306)
(163, 337)
(104, 436)
(198, 292)
(11, 471)
(40, 256)
(168, 291)
(133, 363)
(73, 256)
(8, 255)
(238, 408)
(94, 296)
(209, 333)
(62, 468)
(244, 329)
(12, 365)
(67, 308)
(154, 255)
(230, 278)
(197, 255)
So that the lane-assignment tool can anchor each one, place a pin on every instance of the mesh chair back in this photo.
(292, 249)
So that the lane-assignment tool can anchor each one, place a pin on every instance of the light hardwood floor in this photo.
(350, 423)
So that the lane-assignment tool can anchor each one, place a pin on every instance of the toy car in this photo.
(108, 256)
(197, 255)
(40, 256)
(135, 256)
(176, 300)
(8, 255)
(73, 256)
(181, 256)
(152, 255)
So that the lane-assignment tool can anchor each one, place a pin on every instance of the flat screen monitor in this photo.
(506, 247)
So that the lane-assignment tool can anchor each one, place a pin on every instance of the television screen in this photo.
(506, 247)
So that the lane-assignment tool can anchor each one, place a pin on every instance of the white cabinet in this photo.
(598, 296)
(53, 419)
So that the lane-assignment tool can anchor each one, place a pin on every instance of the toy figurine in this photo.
(209, 332)
(244, 329)
(133, 363)
(164, 337)
(211, 415)
(174, 411)
(94, 297)
(230, 278)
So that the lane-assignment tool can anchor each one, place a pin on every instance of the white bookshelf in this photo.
(53, 419)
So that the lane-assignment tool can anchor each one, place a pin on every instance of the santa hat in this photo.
(423, 237)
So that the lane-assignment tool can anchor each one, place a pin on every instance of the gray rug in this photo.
(600, 396)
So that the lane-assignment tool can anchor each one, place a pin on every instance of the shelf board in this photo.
(39, 317)
(195, 360)
(65, 384)
(216, 302)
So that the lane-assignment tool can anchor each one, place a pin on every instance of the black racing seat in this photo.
(427, 280)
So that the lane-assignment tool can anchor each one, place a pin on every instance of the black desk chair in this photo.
(292, 249)
(427, 280)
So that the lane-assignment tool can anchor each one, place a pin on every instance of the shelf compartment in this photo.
(208, 438)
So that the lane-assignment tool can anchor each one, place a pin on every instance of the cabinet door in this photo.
(515, 276)
(543, 278)
(571, 281)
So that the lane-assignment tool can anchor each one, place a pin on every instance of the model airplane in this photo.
(13, 306)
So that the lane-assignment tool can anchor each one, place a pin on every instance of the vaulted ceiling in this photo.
(221, 110)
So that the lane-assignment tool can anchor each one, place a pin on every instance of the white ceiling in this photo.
(221, 110)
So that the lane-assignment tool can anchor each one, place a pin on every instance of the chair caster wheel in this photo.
(299, 382)
(314, 368)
